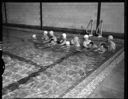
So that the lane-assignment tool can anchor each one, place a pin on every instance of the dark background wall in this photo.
(3, 13)
(69, 15)
(23, 13)
(113, 17)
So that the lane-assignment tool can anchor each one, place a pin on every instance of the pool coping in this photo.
(87, 86)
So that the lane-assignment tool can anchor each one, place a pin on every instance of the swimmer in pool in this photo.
(34, 36)
(52, 38)
(35, 40)
(102, 48)
(86, 41)
(111, 44)
(62, 40)
(76, 42)
(45, 36)
(92, 45)
(67, 46)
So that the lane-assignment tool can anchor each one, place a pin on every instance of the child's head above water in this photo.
(45, 32)
(110, 37)
(76, 38)
(86, 37)
(64, 35)
(34, 35)
(67, 43)
(51, 33)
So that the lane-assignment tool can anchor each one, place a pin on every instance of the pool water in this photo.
(56, 79)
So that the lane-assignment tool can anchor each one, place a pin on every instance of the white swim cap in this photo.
(64, 35)
(45, 32)
(67, 43)
(51, 33)
(86, 36)
(110, 37)
(76, 38)
(34, 35)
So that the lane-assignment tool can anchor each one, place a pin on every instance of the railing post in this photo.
(98, 14)
(5, 12)
(41, 22)
(6, 20)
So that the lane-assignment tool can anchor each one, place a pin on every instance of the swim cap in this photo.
(110, 37)
(64, 35)
(45, 32)
(51, 33)
(86, 36)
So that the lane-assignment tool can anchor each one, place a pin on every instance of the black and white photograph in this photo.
(62, 49)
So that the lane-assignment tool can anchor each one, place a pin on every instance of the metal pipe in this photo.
(5, 10)
(41, 21)
(98, 14)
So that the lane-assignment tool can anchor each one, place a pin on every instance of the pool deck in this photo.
(87, 86)
(113, 85)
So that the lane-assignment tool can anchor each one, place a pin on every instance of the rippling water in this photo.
(54, 81)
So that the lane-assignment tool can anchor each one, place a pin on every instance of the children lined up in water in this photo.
(87, 43)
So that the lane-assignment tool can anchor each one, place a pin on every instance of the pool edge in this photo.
(87, 86)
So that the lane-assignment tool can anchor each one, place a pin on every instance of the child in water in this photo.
(86, 41)
(67, 46)
(111, 44)
(52, 38)
(92, 45)
(62, 40)
(76, 42)
(45, 36)
(102, 48)
(34, 36)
